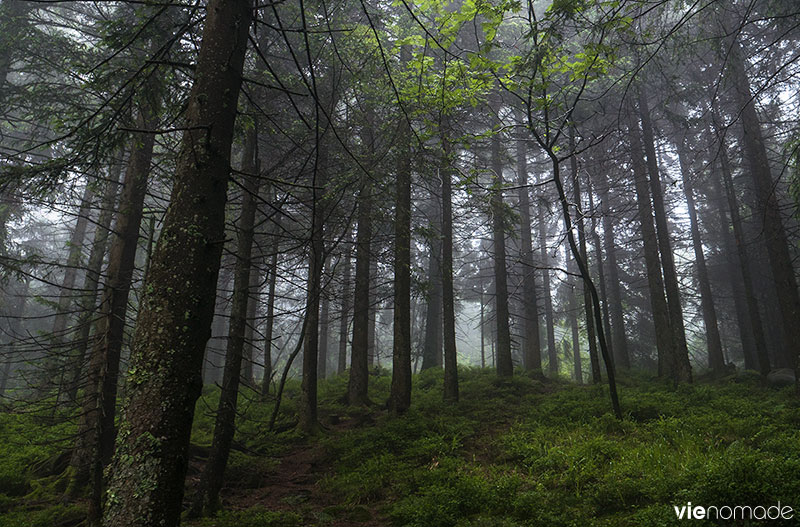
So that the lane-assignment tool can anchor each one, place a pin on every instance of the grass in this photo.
(511, 453)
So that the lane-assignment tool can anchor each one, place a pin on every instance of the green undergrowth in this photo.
(513, 452)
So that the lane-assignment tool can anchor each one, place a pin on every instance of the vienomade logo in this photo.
(735, 512)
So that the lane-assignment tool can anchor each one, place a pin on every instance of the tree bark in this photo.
(594, 361)
(432, 347)
(448, 300)
(587, 283)
(505, 365)
(572, 318)
(716, 360)
(345, 311)
(270, 322)
(532, 351)
(14, 332)
(316, 261)
(359, 353)
(207, 497)
(324, 323)
(149, 467)
(372, 349)
(96, 430)
(92, 280)
(767, 205)
(400, 397)
(601, 274)
(248, 378)
(665, 343)
(549, 320)
(618, 339)
(756, 324)
(72, 266)
(681, 367)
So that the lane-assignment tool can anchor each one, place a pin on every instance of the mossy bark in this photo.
(96, 431)
(164, 381)
(225, 425)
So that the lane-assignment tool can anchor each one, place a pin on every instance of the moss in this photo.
(255, 517)
(518, 453)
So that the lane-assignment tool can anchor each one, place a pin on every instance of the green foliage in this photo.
(27, 446)
(514, 452)
(520, 452)
(255, 517)
(54, 516)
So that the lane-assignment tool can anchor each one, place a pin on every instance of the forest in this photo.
(432, 263)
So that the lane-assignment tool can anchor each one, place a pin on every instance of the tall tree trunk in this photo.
(767, 205)
(665, 343)
(432, 347)
(324, 323)
(372, 349)
(91, 281)
(400, 397)
(744, 325)
(20, 299)
(359, 352)
(483, 327)
(72, 266)
(448, 300)
(572, 317)
(601, 273)
(682, 368)
(716, 361)
(96, 431)
(214, 355)
(13, 24)
(5, 375)
(149, 468)
(316, 262)
(756, 324)
(248, 355)
(270, 321)
(505, 365)
(594, 361)
(532, 351)
(549, 320)
(587, 282)
(345, 311)
(618, 338)
(225, 425)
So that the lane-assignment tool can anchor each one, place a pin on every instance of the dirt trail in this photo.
(293, 484)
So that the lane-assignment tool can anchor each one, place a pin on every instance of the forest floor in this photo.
(511, 453)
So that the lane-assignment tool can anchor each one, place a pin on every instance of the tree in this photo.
(149, 466)
(400, 398)
(680, 368)
(505, 366)
(207, 497)
(532, 353)
(767, 203)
